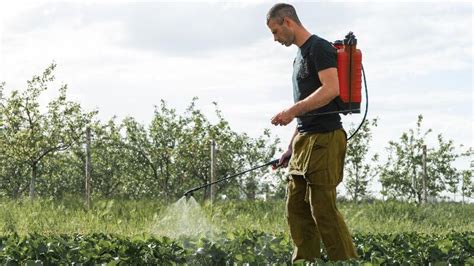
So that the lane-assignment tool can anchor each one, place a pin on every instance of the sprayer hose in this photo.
(366, 105)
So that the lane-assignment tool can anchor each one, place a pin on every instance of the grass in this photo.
(140, 218)
(365, 218)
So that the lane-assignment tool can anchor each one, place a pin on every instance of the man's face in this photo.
(281, 32)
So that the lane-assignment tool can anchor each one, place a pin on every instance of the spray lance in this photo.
(190, 192)
(350, 74)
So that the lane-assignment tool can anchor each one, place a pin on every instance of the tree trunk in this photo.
(425, 197)
(34, 171)
(357, 188)
(251, 190)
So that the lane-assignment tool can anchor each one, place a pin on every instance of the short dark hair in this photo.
(281, 10)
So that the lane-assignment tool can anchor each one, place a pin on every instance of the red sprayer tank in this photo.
(349, 68)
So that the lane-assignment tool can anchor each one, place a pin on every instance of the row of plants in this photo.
(239, 247)
(138, 217)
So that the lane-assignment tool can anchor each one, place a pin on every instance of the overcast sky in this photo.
(123, 57)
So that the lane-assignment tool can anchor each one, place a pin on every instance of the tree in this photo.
(402, 175)
(113, 168)
(359, 172)
(64, 172)
(12, 173)
(30, 135)
(467, 187)
(245, 153)
(236, 152)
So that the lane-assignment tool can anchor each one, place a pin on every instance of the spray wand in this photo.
(190, 192)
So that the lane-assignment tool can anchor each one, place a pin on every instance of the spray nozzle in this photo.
(188, 194)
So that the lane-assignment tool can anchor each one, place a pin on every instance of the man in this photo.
(318, 146)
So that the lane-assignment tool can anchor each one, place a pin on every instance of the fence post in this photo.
(425, 196)
(88, 168)
(213, 170)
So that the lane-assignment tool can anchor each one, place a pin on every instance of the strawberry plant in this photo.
(239, 247)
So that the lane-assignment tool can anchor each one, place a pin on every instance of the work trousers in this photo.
(316, 168)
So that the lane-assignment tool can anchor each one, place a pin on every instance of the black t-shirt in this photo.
(314, 55)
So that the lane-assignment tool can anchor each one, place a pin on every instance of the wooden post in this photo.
(383, 194)
(425, 196)
(88, 168)
(213, 170)
(34, 173)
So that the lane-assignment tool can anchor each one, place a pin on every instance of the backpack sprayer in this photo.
(350, 72)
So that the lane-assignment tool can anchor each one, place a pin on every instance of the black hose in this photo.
(366, 105)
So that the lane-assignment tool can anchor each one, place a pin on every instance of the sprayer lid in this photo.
(350, 39)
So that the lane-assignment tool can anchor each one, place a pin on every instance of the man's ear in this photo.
(288, 22)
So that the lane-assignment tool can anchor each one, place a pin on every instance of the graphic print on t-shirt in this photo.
(300, 71)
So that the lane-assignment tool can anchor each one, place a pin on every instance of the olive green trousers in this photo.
(316, 168)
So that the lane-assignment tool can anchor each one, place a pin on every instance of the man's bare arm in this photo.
(319, 98)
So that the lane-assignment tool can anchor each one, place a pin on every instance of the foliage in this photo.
(47, 231)
(88, 249)
(139, 217)
(402, 175)
(357, 171)
(29, 135)
(251, 247)
(43, 150)
(172, 154)
(414, 248)
(467, 187)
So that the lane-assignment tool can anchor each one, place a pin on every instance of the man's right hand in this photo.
(284, 159)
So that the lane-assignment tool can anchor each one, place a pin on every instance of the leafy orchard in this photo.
(42, 153)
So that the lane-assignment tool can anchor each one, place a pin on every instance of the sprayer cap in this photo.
(350, 39)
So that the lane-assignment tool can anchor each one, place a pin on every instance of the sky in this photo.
(122, 57)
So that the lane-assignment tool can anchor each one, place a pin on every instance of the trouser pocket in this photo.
(326, 163)
(319, 158)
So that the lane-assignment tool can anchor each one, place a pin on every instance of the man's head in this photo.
(283, 21)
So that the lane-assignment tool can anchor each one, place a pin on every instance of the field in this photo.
(150, 232)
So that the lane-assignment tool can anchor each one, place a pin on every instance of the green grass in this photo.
(365, 218)
(396, 217)
(142, 218)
